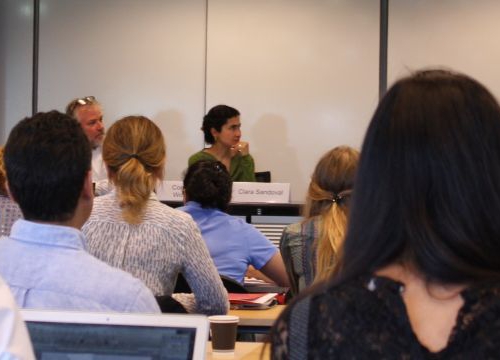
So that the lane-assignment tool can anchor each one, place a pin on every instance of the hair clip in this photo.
(337, 198)
(135, 156)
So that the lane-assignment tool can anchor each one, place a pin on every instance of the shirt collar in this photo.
(193, 204)
(196, 206)
(47, 234)
(152, 195)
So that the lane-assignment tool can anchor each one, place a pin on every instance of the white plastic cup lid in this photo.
(224, 318)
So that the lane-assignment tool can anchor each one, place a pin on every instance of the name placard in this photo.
(254, 192)
(243, 192)
(169, 191)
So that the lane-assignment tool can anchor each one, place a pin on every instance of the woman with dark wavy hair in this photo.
(419, 270)
(222, 131)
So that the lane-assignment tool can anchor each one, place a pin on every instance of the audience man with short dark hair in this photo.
(44, 260)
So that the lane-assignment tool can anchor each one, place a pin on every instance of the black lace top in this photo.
(367, 319)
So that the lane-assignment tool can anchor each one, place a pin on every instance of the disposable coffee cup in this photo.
(223, 331)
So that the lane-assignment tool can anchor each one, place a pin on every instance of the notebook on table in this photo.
(255, 301)
(79, 335)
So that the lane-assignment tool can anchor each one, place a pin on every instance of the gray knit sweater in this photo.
(165, 243)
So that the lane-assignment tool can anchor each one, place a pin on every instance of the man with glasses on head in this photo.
(88, 112)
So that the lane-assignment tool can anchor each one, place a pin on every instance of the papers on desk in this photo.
(248, 281)
(254, 301)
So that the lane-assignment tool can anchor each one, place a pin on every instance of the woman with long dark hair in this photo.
(419, 271)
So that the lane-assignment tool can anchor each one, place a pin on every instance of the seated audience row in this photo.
(48, 165)
(415, 276)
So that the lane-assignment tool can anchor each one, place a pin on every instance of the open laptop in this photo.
(76, 335)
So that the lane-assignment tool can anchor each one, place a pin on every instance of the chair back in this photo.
(231, 285)
(263, 176)
(181, 286)
(168, 304)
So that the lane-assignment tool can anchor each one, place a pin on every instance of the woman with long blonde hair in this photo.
(130, 229)
(310, 247)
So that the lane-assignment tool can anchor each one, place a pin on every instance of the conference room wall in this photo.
(461, 35)
(16, 44)
(137, 57)
(303, 73)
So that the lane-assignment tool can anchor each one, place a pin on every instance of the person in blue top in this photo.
(232, 243)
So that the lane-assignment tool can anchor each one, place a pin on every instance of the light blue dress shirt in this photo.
(47, 266)
(233, 243)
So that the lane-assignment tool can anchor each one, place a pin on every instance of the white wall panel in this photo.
(303, 74)
(16, 44)
(136, 56)
(458, 34)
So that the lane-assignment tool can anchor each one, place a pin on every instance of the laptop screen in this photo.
(87, 336)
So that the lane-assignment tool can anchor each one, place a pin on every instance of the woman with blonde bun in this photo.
(130, 229)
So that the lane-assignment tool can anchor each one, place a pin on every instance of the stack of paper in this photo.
(252, 300)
